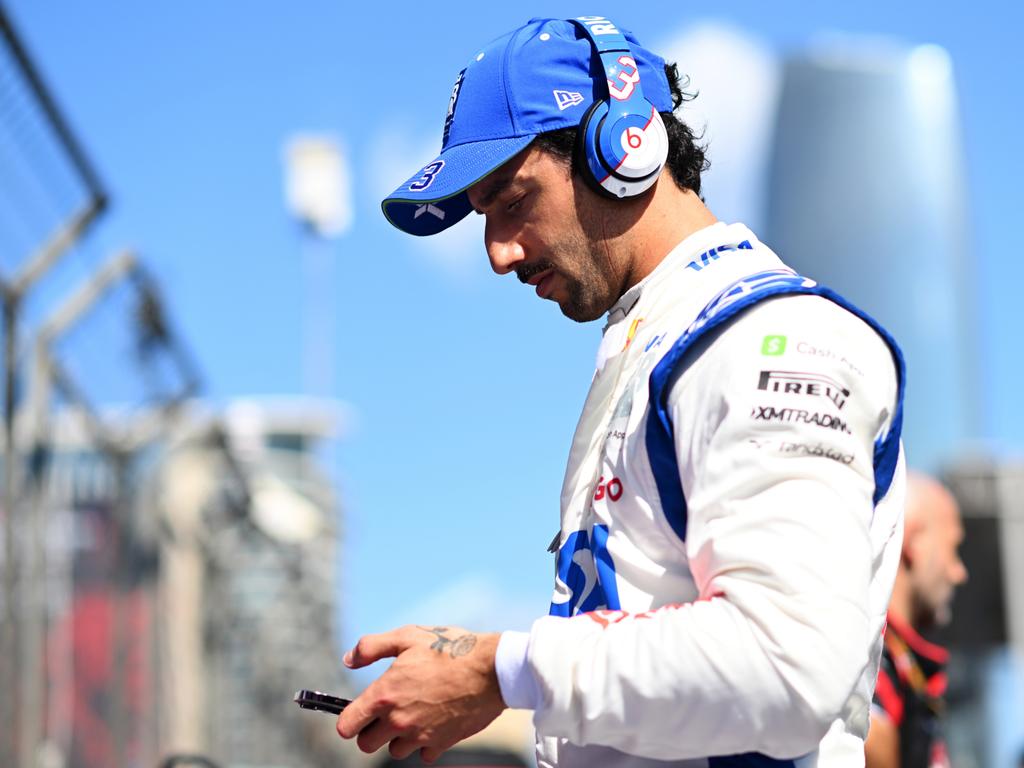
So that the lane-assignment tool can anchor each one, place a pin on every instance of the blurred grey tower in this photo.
(866, 195)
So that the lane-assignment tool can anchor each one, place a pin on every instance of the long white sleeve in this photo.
(783, 543)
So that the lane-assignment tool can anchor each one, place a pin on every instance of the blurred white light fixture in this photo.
(283, 513)
(318, 184)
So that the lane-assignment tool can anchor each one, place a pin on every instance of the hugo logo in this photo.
(612, 489)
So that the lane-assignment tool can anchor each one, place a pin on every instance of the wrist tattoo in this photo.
(456, 647)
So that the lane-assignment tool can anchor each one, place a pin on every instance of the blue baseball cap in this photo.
(543, 76)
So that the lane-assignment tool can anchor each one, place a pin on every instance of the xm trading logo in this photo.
(801, 383)
(825, 420)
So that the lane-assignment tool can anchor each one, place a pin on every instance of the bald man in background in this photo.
(908, 700)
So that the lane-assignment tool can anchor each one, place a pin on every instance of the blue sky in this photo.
(464, 389)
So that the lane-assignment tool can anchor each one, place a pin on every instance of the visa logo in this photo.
(712, 254)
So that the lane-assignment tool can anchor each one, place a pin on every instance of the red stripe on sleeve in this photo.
(890, 700)
(936, 685)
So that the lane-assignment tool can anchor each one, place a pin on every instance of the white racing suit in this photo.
(731, 525)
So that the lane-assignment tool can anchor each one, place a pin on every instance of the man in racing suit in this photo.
(732, 506)
(909, 700)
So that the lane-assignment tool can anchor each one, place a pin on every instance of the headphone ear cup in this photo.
(646, 151)
(615, 183)
(587, 157)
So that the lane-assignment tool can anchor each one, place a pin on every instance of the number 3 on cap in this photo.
(629, 79)
(426, 177)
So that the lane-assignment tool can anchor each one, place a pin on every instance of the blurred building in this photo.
(189, 629)
(250, 575)
(867, 194)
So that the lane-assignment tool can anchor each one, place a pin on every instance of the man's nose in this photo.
(504, 253)
(960, 574)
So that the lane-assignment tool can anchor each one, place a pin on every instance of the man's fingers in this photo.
(375, 736)
(371, 648)
(430, 754)
(356, 716)
(402, 747)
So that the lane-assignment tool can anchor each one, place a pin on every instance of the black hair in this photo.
(686, 158)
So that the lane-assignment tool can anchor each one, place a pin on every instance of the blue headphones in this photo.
(621, 144)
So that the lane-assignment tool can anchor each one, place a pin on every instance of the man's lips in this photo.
(543, 282)
(538, 274)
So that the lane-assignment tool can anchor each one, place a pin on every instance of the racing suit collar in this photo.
(689, 248)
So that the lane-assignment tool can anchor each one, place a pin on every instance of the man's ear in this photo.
(906, 556)
(911, 531)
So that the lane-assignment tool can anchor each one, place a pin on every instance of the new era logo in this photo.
(566, 99)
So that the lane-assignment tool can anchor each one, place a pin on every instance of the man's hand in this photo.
(441, 688)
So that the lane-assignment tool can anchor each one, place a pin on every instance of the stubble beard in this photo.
(933, 611)
(585, 302)
(588, 290)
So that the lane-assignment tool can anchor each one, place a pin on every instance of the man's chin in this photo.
(579, 314)
(574, 308)
(934, 618)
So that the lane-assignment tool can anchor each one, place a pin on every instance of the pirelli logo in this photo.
(806, 384)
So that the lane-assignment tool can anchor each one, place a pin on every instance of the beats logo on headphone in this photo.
(622, 144)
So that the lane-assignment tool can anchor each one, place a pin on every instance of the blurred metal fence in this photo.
(49, 195)
(169, 578)
(125, 584)
(49, 198)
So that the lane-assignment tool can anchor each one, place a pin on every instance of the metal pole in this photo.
(32, 627)
(123, 581)
(318, 315)
(34, 622)
(10, 661)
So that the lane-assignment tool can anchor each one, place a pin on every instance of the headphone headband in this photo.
(624, 144)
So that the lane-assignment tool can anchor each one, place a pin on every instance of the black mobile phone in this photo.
(322, 702)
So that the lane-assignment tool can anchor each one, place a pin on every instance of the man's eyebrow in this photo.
(494, 188)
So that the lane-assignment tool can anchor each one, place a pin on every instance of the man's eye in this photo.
(515, 204)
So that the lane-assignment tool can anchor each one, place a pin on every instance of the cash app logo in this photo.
(773, 346)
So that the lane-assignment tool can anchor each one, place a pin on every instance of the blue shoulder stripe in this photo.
(726, 305)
